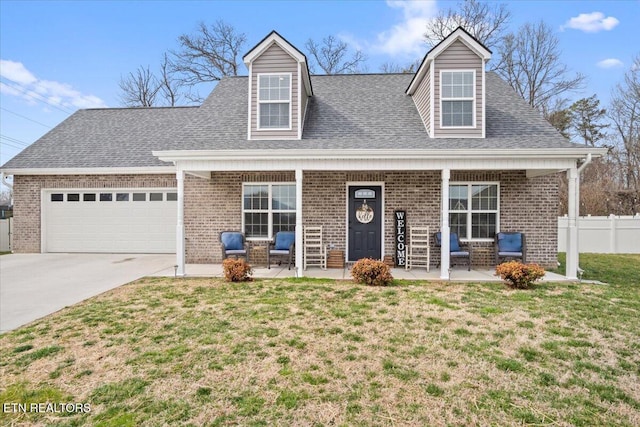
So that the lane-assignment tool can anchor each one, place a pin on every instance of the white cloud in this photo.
(27, 86)
(610, 63)
(406, 38)
(16, 72)
(591, 22)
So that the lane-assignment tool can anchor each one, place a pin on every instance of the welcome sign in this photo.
(401, 234)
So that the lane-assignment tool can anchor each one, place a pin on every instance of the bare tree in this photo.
(142, 88)
(624, 112)
(208, 55)
(600, 192)
(530, 62)
(139, 88)
(169, 86)
(485, 21)
(333, 56)
(392, 67)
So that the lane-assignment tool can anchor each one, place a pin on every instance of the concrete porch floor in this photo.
(458, 274)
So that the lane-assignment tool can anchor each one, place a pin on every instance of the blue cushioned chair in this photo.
(233, 244)
(510, 245)
(455, 248)
(282, 246)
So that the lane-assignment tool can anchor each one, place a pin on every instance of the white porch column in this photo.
(180, 225)
(572, 230)
(444, 225)
(299, 249)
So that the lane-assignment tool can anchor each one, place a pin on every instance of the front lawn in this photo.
(319, 352)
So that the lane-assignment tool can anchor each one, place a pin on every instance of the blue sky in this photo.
(58, 56)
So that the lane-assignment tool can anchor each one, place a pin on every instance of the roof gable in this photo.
(458, 34)
(274, 38)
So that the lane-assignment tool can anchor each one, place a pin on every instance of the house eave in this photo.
(150, 170)
(419, 76)
(320, 154)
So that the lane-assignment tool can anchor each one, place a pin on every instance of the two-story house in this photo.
(453, 146)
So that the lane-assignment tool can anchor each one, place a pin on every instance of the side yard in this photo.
(317, 352)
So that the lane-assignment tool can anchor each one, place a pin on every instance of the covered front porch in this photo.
(418, 181)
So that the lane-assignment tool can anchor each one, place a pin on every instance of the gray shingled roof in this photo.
(108, 137)
(369, 111)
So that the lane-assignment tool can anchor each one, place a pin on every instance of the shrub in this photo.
(371, 272)
(519, 275)
(236, 270)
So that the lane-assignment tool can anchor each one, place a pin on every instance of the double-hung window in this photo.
(473, 210)
(268, 208)
(274, 101)
(457, 89)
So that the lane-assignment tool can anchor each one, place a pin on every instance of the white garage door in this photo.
(112, 221)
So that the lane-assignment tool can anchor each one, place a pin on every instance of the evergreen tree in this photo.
(587, 120)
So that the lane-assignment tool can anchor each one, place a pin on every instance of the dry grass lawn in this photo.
(287, 352)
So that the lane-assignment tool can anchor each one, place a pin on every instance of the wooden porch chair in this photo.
(418, 248)
(456, 251)
(315, 252)
(510, 245)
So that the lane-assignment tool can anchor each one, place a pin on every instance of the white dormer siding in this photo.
(458, 58)
(274, 62)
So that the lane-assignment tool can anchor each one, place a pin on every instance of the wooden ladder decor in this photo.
(419, 248)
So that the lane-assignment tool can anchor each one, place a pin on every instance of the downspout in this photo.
(582, 167)
(4, 180)
(585, 164)
(3, 177)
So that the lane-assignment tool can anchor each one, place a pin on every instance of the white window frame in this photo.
(269, 211)
(472, 99)
(260, 102)
(470, 211)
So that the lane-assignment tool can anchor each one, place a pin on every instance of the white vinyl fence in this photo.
(6, 226)
(603, 234)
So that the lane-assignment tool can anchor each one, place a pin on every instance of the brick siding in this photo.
(527, 205)
(215, 205)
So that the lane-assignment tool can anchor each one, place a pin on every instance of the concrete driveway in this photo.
(35, 285)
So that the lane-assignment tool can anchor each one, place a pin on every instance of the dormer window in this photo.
(457, 89)
(274, 101)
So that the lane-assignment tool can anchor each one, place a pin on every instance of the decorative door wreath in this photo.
(364, 213)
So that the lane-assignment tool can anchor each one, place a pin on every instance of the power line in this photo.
(14, 140)
(26, 118)
(39, 97)
(11, 145)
